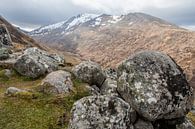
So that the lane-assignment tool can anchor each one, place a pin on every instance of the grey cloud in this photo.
(33, 13)
(180, 15)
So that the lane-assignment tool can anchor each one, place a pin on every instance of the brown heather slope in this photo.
(111, 42)
(111, 50)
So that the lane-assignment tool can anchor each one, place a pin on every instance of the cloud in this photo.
(33, 13)
(110, 6)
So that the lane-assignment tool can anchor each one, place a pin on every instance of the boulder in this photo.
(89, 72)
(155, 86)
(4, 53)
(5, 39)
(143, 124)
(35, 63)
(57, 82)
(102, 112)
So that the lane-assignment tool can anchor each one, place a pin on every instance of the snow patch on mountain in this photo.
(65, 26)
(81, 19)
(53, 26)
(115, 19)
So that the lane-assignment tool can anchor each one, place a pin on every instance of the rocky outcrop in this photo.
(5, 39)
(102, 112)
(57, 82)
(89, 72)
(4, 53)
(155, 86)
(35, 63)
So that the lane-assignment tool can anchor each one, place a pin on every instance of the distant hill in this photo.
(109, 39)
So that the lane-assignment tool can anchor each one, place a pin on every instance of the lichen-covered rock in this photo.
(11, 91)
(5, 39)
(4, 53)
(109, 87)
(155, 86)
(35, 62)
(142, 124)
(89, 72)
(185, 125)
(57, 82)
(102, 112)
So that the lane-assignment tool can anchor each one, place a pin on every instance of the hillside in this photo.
(19, 39)
(52, 89)
(109, 39)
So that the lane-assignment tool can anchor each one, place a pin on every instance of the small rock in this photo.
(102, 112)
(11, 91)
(57, 82)
(8, 73)
(155, 86)
(89, 72)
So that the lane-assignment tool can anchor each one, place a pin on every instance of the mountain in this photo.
(109, 39)
(19, 38)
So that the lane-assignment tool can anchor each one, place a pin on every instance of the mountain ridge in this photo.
(109, 39)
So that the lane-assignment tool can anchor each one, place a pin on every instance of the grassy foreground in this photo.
(36, 110)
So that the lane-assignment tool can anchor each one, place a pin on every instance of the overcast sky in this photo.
(31, 14)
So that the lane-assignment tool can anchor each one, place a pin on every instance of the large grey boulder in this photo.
(155, 86)
(4, 53)
(143, 124)
(89, 72)
(35, 62)
(102, 112)
(5, 39)
(57, 82)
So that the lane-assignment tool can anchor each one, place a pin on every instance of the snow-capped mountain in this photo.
(64, 26)
(109, 39)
